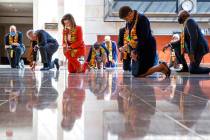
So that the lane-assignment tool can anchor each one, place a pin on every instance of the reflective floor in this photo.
(103, 105)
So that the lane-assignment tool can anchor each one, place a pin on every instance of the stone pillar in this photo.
(49, 11)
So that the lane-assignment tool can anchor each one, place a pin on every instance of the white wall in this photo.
(94, 22)
(95, 25)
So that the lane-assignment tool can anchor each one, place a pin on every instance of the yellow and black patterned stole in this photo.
(13, 39)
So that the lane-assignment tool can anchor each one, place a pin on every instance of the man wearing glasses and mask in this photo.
(14, 47)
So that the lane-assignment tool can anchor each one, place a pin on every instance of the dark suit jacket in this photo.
(194, 39)
(120, 42)
(44, 38)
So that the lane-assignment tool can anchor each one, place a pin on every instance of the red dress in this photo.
(73, 39)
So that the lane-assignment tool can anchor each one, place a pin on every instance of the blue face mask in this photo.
(12, 33)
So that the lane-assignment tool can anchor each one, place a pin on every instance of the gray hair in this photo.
(28, 33)
(12, 26)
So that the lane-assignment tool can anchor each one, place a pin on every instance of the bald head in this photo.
(182, 16)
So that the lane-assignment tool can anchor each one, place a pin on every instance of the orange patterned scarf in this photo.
(13, 39)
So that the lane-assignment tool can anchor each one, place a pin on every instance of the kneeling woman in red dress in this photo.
(73, 45)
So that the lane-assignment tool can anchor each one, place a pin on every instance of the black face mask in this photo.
(180, 20)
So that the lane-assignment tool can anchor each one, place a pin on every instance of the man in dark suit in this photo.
(47, 46)
(14, 47)
(193, 43)
(138, 37)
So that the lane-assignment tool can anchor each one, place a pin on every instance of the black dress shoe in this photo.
(44, 68)
(56, 64)
(183, 70)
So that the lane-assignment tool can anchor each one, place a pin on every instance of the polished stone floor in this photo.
(103, 105)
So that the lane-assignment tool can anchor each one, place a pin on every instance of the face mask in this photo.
(180, 20)
(12, 33)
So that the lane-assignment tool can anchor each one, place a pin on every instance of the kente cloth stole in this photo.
(182, 42)
(70, 35)
(13, 39)
(93, 56)
(182, 37)
(109, 47)
(69, 38)
(130, 38)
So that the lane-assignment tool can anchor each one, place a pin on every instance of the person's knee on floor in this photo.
(196, 69)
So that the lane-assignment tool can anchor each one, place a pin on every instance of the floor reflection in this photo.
(46, 95)
(73, 98)
(102, 105)
(103, 85)
(192, 99)
(135, 110)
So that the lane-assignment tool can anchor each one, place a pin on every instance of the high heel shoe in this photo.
(168, 73)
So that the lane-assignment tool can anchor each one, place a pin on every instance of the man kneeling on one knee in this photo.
(47, 46)
(192, 42)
